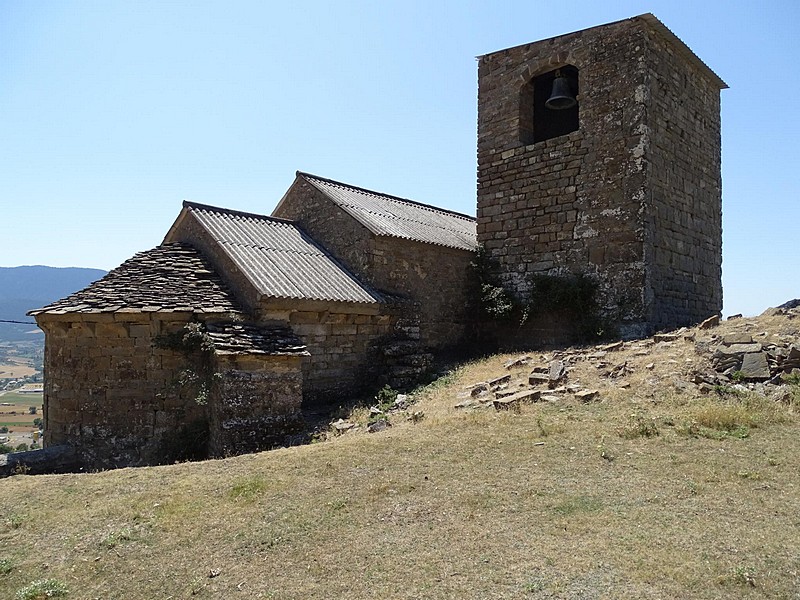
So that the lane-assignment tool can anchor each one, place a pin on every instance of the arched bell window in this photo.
(549, 105)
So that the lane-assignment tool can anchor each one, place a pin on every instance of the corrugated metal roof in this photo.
(169, 278)
(279, 259)
(397, 217)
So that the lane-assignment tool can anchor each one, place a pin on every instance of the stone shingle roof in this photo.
(279, 259)
(247, 338)
(168, 278)
(396, 217)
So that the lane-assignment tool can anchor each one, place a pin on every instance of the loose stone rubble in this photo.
(708, 358)
(741, 359)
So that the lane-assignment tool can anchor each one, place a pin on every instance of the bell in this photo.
(561, 97)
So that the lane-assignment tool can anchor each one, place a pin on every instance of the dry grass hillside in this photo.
(672, 481)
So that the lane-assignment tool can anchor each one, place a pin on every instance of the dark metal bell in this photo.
(561, 97)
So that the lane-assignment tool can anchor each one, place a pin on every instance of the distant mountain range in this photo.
(25, 288)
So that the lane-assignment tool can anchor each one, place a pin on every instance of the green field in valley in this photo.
(20, 404)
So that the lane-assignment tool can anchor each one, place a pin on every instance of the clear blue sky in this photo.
(112, 113)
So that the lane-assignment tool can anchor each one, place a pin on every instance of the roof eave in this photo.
(665, 32)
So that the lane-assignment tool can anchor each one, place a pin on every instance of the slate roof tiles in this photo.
(169, 278)
(247, 338)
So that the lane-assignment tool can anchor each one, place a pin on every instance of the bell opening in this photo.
(549, 105)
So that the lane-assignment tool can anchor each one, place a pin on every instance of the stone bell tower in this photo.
(599, 154)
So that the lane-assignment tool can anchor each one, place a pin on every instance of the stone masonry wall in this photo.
(570, 203)
(110, 392)
(435, 277)
(432, 276)
(341, 234)
(685, 216)
(342, 346)
(255, 404)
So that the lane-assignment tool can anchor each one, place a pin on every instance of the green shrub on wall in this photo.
(487, 300)
(572, 298)
(193, 342)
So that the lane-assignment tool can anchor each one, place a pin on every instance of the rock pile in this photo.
(543, 383)
(741, 358)
(732, 358)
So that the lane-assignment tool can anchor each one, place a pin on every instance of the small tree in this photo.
(23, 447)
(32, 410)
(37, 422)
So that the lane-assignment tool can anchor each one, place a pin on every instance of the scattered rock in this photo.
(341, 425)
(507, 403)
(755, 366)
(734, 317)
(612, 347)
(665, 337)
(379, 425)
(587, 395)
(416, 416)
(526, 396)
(520, 361)
(728, 349)
(538, 378)
(466, 404)
(479, 389)
(402, 402)
(737, 338)
(709, 322)
(557, 371)
(498, 381)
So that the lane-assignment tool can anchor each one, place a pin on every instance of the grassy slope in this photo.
(459, 505)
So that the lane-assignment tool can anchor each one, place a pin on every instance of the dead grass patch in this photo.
(550, 502)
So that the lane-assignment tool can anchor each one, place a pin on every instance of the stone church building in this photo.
(598, 155)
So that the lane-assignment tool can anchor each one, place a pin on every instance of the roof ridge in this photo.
(648, 18)
(389, 196)
(230, 211)
(401, 218)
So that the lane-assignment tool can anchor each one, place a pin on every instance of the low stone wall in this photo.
(55, 459)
